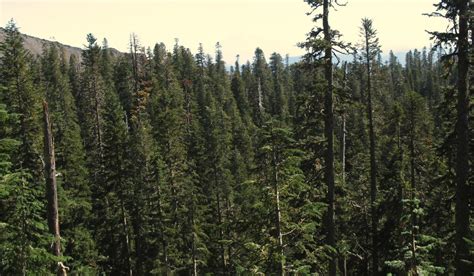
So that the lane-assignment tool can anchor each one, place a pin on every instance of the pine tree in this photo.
(166, 163)
(73, 76)
(92, 97)
(168, 123)
(115, 230)
(320, 49)
(25, 233)
(458, 13)
(21, 98)
(238, 90)
(91, 106)
(24, 239)
(417, 127)
(371, 49)
(280, 97)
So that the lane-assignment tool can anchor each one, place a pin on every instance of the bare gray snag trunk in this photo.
(279, 236)
(193, 248)
(51, 188)
(413, 267)
(462, 134)
(329, 133)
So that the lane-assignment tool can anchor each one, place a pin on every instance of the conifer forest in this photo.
(164, 161)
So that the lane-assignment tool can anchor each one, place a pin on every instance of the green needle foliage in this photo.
(170, 164)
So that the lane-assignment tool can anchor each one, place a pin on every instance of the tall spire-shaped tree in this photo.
(24, 241)
(459, 14)
(370, 51)
(21, 98)
(321, 44)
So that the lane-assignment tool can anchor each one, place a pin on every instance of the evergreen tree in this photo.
(320, 49)
(21, 98)
(167, 163)
(458, 13)
(24, 235)
(114, 234)
(371, 49)
(24, 239)
(238, 90)
(280, 98)
(260, 95)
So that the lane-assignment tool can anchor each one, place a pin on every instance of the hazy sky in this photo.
(239, 25)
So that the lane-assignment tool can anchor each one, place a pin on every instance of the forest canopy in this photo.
(161, 161)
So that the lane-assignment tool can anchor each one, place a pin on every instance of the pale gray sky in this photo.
(239, 25)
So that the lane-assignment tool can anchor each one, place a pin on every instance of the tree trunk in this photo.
(279, 236)
(344, 271)
(343, 136)
(373, 168)
(413, 267)
(51, 188)
(343, 148)
(127, 238)
(193, 245)
(329, 133)
(462, 156)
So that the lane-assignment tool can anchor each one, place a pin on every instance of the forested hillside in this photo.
(161, 161)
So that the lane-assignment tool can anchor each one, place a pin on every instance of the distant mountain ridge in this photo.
(35, 45)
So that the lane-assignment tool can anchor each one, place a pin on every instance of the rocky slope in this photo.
(35, 45)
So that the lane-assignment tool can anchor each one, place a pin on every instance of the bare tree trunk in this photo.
(329, 133)
(413, 195)
(127, 239)
(413, 267)
(462, 156)
(344, 272)
(51, 189)
(261, 108)
(281, 268)
(193, 245)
